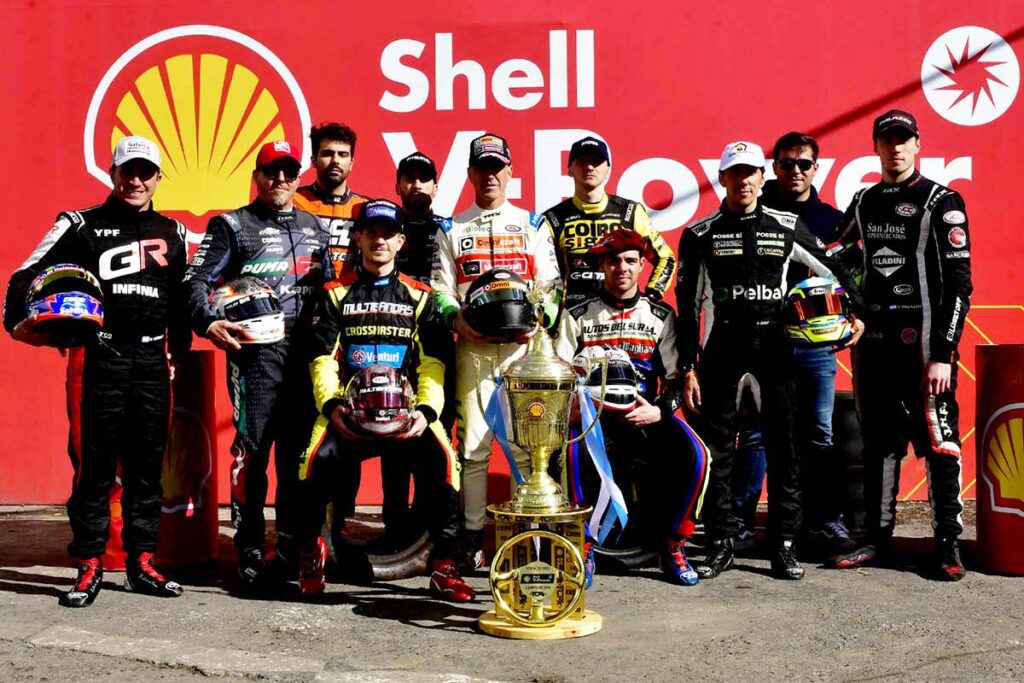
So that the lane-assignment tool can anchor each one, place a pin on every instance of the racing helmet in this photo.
(381, 399)
(497, 305)
(251, 303)
(621, 384)
(66, 301)
(817, 314)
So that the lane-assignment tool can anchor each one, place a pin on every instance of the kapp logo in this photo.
(970, 76)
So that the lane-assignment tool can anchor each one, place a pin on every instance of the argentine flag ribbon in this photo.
(494, 415)
(610, 505)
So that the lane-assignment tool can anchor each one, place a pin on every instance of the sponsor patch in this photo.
(958, 237)
(909, 335)
(728, 252)
(954, 217)
(906, 210)
(902, 290)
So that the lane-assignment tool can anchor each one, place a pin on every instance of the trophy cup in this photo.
(537, 577)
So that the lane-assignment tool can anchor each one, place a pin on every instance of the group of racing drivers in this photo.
(358, 327)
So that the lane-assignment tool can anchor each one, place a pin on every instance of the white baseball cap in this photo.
(136, 147)
(741, 152)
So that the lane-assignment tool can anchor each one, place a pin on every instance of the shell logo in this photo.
(1003, 459)
(209, 96)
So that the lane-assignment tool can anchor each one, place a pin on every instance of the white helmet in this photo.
(251, 303)
(620, 386)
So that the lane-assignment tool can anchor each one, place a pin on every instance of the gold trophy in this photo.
(537, 576)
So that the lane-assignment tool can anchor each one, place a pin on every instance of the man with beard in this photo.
(269, 384)
(329, 198)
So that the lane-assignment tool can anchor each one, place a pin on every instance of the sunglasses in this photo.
(290, 172)
(788, 164)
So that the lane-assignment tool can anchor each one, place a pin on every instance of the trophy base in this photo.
(575, 626)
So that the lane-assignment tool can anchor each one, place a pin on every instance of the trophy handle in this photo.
(600, 406)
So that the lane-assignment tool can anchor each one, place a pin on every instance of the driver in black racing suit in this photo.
(268, 383)
(733, 266)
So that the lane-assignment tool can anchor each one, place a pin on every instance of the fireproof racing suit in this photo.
(362, 320)
(476, 241)
(268, 385)
(577, 226)
(139, 258)
(336, 213)
(917, 284)
(662, 469)
(733, 267)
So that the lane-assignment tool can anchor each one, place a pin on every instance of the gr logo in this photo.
(131, 258)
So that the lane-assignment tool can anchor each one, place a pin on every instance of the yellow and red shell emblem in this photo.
(1003, 459)
(536, 410)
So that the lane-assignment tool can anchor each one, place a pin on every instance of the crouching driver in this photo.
(378, 383)
(656, 459)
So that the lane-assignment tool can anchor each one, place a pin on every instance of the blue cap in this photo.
(589, 145)
(380, 211)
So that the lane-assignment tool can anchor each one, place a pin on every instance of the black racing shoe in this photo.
(142, 577)
(878, 552)
(833, 540)
(87, 585)
(950, 566)
(785, 564)
(472, 556)
(252, 569)
(723, 554)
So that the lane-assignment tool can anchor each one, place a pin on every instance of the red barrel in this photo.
(1000, 452)
(188, 525)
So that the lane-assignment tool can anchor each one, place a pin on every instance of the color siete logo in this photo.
(970, 76)
(1003, 459)
(209, 97)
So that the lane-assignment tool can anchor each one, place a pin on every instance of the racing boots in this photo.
(141, 576)
(252, 569)
(675, 565)
(723, 554)
(312, 569)
(784, 562)
(951, 568)
(878, 551)
(87, 584)
(446, 582)
(833, 540)
(473, 558)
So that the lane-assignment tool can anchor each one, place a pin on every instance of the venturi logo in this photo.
(970, 76)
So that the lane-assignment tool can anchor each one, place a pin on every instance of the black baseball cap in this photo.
(589, 145)
(416, 160)
(380, 211)
(489, 146)
(893, 119)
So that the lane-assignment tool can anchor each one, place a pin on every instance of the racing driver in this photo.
(582, 220)
(490, 234)
(733, 266)
(370, 317)
(917, 284)
(139, 257)
(271, 240)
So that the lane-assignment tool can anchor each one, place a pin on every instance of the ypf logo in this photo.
(970, 76)
(209, 97)
(1003, 459)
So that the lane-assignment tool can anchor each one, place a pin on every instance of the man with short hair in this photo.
(917, 286)
(370, 317)
(329, 197)
(284, 247)
(651, 451)
(732, 266)
(578, 223)
(490, 234)
(138, 256)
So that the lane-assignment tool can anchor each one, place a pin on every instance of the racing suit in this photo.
(662, 468)
(578, 225)
(476, 241)
(139, 258)
(336, 213)
(268, 385)
(362, 320)
(733, 267)
(917, 284)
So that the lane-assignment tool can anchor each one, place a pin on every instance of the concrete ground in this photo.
(865, 625)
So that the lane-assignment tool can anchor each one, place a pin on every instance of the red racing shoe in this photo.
(447, 584)
(312, 563)
(87, 585)
(142, 577)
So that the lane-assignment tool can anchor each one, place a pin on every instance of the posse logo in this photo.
(209, 96)
(970, 76)
(1003, 459)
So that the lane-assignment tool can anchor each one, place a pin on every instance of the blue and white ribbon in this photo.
(495, 416)
(610, 505)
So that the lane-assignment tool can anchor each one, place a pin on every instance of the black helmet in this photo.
(66, 302)
(497, 305)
